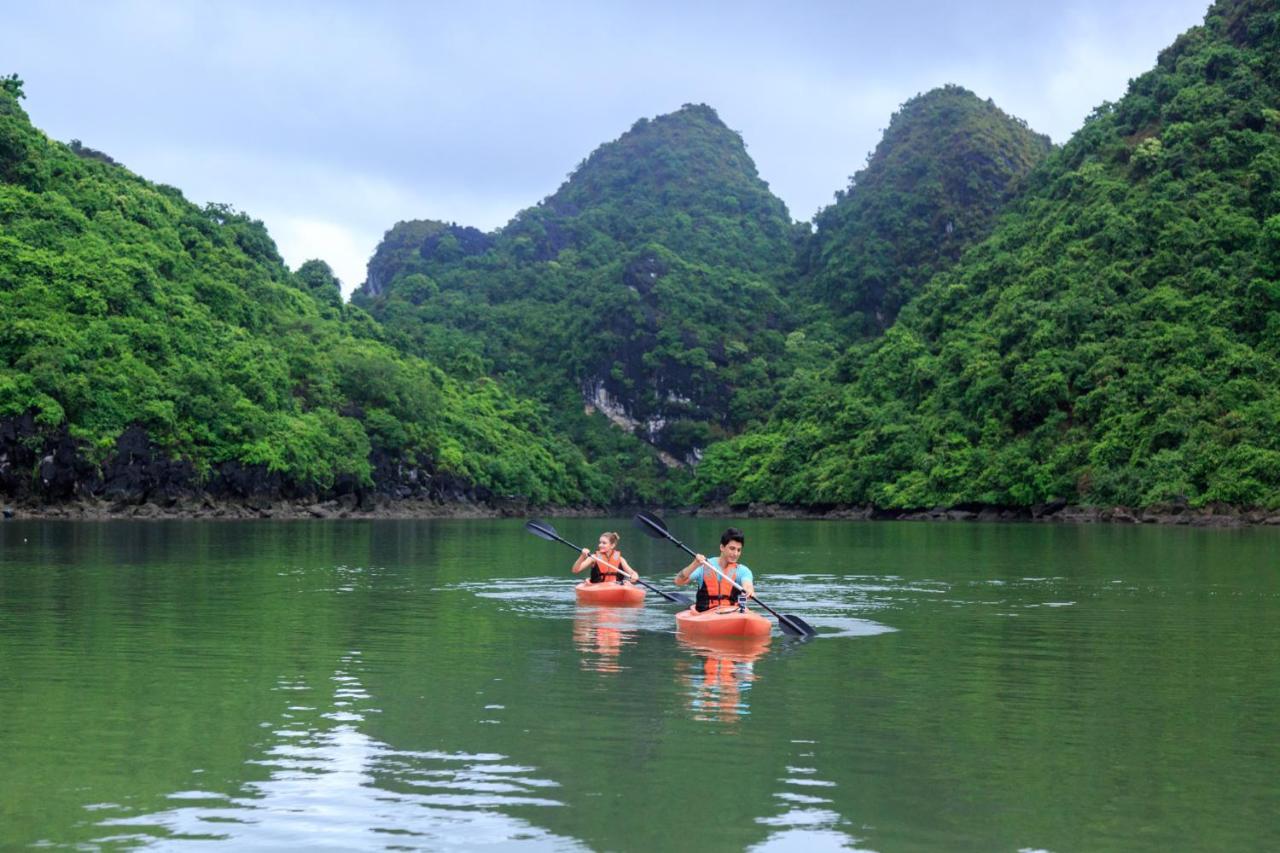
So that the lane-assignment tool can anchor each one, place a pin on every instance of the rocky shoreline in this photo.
(1058, 512)
(46, 475)
(208, 508)
(345, 507)
(372, 506)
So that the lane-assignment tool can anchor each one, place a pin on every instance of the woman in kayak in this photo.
(609, 564)
(713, 590)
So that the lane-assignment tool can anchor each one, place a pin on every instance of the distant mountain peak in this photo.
(671, 160)
(947, 162)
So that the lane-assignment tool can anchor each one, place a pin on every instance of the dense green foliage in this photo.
(12, 84)
(123, 304)
(976, 320)
(652, 283)
(948, 162)
(664, 281)
(1115, 341)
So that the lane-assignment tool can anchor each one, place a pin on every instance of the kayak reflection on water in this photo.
(600, 633)
(718, 686)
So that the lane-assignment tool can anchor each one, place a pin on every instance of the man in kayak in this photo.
(608, 563)
(713, 590)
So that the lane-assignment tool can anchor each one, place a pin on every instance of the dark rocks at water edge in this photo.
(231, 510)
(1216, 515)
(47, 473)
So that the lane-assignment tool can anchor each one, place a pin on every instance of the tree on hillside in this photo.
(320, 282)
(13, 85)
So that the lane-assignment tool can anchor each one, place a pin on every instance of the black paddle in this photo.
(545, 531)
(655, 527)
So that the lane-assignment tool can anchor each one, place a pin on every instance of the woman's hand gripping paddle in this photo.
(545, 531)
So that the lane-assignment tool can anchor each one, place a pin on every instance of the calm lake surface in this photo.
(432, 685)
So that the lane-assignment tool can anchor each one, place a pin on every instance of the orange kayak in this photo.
(616, 594)
(729, 623)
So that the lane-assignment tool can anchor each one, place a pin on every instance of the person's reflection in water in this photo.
(717, 688)
(600, 633)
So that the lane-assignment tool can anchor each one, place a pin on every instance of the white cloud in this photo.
(345, 250)
(332, 121)
(317, 209)
(1094, 65)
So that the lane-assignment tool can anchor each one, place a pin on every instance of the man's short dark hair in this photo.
(733, 534)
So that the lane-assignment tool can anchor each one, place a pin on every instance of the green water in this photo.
(432, 685)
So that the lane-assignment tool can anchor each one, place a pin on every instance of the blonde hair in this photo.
(611, 536)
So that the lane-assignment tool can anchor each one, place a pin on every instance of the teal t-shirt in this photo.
(742, 575)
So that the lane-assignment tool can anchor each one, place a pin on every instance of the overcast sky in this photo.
(332, 121)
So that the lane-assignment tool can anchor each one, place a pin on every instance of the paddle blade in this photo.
(795, 626)
(542, 530)
(651, 524)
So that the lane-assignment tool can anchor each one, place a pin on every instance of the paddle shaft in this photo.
(666, 595)
(654, 526)
(591, 557)
(732, 583)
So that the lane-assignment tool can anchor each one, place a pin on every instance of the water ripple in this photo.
(332, 785)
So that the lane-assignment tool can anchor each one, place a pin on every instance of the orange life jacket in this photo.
(718, 591)
(604, 569)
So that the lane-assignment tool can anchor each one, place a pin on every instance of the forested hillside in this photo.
(946, 165)
(651, 286)
(665, 285)
(978, 319)
(151, 349)
(1114, 341)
